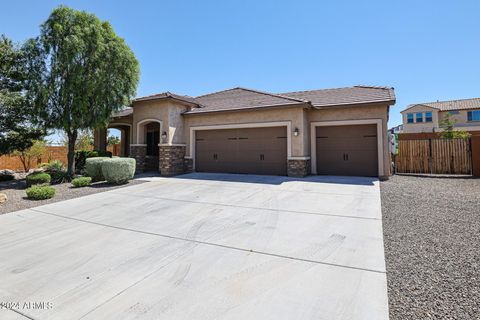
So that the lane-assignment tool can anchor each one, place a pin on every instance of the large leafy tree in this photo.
(87, 73)
(18, 127)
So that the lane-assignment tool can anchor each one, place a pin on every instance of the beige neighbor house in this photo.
(333, 131)
(426, 117)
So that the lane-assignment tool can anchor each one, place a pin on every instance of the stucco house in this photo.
(426, 117)
(340, 131)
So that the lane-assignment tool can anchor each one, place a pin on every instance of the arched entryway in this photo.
(125, 137)
(148, 138)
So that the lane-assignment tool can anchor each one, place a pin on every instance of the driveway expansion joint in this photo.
(247, 207)
(209, 243)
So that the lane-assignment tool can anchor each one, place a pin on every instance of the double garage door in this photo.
(252, 150)
(347, 150)
(340, 150)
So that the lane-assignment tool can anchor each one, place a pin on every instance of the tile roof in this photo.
(167, 95)
(123, 113)
(345, 96)
(462, 104)
(243, 98)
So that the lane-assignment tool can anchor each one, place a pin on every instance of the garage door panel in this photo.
(347, 150)
(252, 150)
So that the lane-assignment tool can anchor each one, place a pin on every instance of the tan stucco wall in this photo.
(461, 119)
(358, 113)
(178, 125)
(295, 115)
(166, 111)
(423, 126)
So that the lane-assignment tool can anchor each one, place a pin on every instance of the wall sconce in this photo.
(164, 136)
(296, 132)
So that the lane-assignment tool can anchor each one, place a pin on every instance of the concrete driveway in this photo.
(200, 246)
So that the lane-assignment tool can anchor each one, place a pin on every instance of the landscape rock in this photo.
(3, 198)
(6, 175)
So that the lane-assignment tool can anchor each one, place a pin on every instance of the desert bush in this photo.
(93, 168)
(81, 182)
(82, 155)
(118, 170)
(56, 170)
(40, 192)
(38, 178)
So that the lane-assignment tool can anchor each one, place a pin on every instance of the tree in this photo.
(448, 124)
(112, 140)
(35, 152)
(18, 128)
(87, 73)
(84, 140)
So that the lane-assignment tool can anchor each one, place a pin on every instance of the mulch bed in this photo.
(432, 247)
(15, 191)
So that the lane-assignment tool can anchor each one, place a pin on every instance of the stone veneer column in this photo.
(172, 159)
(139, 152)
(298, 168)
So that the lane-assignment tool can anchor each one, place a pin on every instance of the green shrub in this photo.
(118, 170)
(40, 192)
(38, 178)
(56, 170)
(93, 168)
(81, 182)
(82, 155)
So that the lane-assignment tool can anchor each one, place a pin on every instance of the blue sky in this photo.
(426, 50)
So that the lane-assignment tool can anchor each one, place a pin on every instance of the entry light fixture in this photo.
(296, 132)
(164, 135)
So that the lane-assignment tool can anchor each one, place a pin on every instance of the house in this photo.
(423, 119)
(340, 131)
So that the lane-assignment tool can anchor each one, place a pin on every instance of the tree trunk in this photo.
(72, 138)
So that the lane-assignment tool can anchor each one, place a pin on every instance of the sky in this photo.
(427, 50)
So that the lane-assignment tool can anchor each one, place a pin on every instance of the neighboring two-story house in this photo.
(425, 118)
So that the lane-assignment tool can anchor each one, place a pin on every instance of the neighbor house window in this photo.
(428, 117)
(409, 117)
(419, 117)
(474, 115)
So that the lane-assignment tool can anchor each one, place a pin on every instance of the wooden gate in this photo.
(436, 156)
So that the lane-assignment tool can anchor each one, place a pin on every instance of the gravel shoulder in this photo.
(432, 247)
(15, 191)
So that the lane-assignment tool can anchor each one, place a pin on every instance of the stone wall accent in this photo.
(298, 168)
(172, 160)
(139, 153)
(188, 165)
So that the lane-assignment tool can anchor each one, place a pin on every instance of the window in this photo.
(409, 117)
(454, 112)
(419, 117)
(428, 116)
(474, 115)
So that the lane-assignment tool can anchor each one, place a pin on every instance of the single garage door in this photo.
(252, 150)
(347, 150)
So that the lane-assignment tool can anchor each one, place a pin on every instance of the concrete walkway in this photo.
(201, 246)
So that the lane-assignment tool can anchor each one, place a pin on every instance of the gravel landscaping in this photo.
(15, 191)
(432, 247)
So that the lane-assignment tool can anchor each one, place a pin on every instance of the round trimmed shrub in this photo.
(93, 168)
(39, 192)
(118, 170)
(82, 182)
(38, 178)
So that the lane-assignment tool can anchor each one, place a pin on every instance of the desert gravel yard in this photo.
(432, 246)
(15, 191)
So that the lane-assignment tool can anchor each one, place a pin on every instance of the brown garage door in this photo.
(347, 150)
(253, 150)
